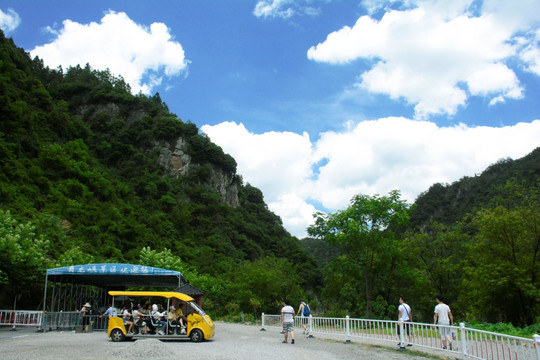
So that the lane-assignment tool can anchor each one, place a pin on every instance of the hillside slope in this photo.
(103, 173)
(449, 203)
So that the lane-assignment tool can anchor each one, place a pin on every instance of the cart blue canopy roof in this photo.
(116, 275)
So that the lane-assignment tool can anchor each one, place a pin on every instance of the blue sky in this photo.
(318, 100)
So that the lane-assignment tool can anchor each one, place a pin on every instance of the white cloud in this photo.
(294, 211)
(283, 9)
(271, 161)
(434, 54)
(517, 14)
(142, 55)
(370, 157)
(273, 8)
(9, 20)
(494, 77)
(530, 53)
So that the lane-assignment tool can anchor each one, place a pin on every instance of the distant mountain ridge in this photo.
(448, 203)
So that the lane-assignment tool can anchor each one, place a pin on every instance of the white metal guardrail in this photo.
(57, 320)
(469, 343)
(20, 318)
(68, 320)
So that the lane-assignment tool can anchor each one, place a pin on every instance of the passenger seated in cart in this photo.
(139, 318)
(128, 318)
(175, 321)
(159, 319)
(180, 313)
(150, 328)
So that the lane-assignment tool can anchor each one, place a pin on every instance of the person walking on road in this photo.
(404, 315)
(443, 318)
(304, 311)
(287, 320)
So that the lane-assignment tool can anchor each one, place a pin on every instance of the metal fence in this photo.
(20, 318)
(61, 320)
(464, 342)
(69, 320)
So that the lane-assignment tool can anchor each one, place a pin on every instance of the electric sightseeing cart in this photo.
(197, 325)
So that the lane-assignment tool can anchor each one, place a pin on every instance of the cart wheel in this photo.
(117, 335)
(196, 335)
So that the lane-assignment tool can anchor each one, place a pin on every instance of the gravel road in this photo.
(232, 341)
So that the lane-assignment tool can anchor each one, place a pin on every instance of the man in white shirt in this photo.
(443, 318)
(287, 320)
(405, 315)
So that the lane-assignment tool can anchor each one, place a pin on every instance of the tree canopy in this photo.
(365, 235)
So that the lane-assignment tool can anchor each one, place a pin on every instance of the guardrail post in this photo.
(310, 335)
(14, 322)
(40, 317)
(42, 322)
(262, 322)
(347, 327)
(463, 340)
(537, 345)
(401, 335)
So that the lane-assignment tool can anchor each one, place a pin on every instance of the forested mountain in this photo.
(321, 251)
(97, 174)
(449, 203)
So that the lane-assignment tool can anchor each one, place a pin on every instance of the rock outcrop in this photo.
(177, 162)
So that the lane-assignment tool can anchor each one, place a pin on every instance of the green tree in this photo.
(264, 283)
(365, 234)
(433, 264)
(23, 257)
(505, 257)
(74, 256)
(162, 259)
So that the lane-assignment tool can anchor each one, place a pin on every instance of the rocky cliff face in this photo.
(172, 156)
(177, 162)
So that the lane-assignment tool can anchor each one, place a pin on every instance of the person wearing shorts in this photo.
(287, 321)
(443, 318)
(304, 311)
(127, 317)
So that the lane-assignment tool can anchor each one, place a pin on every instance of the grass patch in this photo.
(506, 328)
